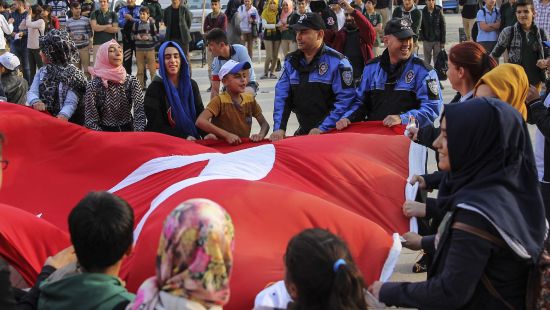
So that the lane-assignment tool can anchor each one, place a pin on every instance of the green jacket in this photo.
(185, 23)
(84, 291)
(155, 10)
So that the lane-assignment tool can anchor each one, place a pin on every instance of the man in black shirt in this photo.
(175, 30)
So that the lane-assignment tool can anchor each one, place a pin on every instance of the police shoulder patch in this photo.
(323, 68)
(433, 88)
(347, 77)
(409, 76)
(330, 21)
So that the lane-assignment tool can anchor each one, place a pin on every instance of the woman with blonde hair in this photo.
(272, 38)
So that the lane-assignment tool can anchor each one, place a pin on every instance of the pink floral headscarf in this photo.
(194, 258)
(102, 67)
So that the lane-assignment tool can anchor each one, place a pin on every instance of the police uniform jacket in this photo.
(410, 88)
(319, 92)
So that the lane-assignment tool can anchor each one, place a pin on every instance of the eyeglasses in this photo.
(4, 164)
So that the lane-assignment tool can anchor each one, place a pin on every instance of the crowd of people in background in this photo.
(342, 62)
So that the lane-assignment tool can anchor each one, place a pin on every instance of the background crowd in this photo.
(483, 235)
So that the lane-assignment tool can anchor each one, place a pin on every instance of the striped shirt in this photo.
(145, 35)
(542, 18)
(80, 31)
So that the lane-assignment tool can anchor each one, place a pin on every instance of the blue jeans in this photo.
(19, 48)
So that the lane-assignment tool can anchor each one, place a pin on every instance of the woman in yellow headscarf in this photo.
(272, 37)
(507, 82)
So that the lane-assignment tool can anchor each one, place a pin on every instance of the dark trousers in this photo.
(35, 62)
(19, 48)
(545, 191)
(129, 49)
(121, 128)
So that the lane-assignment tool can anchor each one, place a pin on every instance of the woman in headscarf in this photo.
(114, 99)
(272, 38)
(288, 36)
(495, 226)
(507, 82)
(194, 260)
(173, 100)
(58, 87)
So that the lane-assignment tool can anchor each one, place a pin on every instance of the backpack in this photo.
(441, 66)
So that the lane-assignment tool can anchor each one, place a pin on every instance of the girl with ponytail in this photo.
(321, 274)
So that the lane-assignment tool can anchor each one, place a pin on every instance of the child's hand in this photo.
(39, 105)
(210, 136)
(256, 138)
(232, 139)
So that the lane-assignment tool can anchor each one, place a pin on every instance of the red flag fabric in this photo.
(351, 183)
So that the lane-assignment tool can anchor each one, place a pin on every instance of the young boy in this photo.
(145, 34)
(79, 29)
(375, 18)
(231, 111)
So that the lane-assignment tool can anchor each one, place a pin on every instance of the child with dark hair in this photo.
(101, 227)
(145, 35)
(320, 274)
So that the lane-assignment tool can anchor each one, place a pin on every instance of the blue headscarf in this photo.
(181, 99)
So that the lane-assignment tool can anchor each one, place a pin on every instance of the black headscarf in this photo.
(493, 169)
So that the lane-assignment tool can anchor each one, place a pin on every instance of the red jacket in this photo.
(367, 36)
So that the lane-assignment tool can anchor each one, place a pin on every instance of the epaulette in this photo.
(333, 52)
(373, 60)
(420, 61)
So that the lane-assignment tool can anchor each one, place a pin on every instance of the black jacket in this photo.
(437, 24)
(156, 108)
(539, 115)
(454, 278)
(15, 87)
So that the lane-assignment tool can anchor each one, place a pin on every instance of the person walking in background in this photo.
(272, 38)
(80, 31)
(145, 36)
(18, 44)
(384, 8)
(127, 16)
(6, 29)
(375, 20)
(214, 19)
(177, 19)
(432, 31)
(234, 29)
(469, 14)
(35, 25)
(488, 23)
(249, 24)
(288, 36)
(104, 23)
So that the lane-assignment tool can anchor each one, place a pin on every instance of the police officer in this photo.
(396, 86)
(316, 83)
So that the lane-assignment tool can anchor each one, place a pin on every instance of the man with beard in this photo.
(397, 86)
(354, 40)
(316, 83)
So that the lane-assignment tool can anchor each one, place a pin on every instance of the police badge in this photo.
(433, 89)
(347, 78)
(323, 68)
(409, 76)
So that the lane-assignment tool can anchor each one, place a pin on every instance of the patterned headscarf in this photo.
(194, 258)
(61, 52)
(59, 48)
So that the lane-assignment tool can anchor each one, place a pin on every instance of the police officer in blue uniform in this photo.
(397, 86)
(316, 83)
